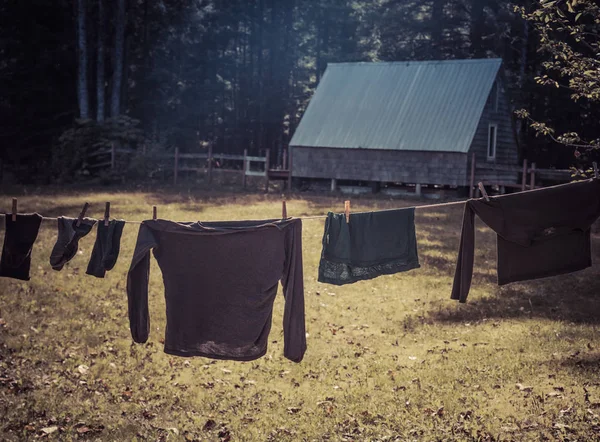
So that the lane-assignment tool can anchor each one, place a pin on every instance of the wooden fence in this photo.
(528, 173)
(208, 161)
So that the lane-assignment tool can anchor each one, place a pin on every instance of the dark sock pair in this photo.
(106, 248)
(69, 234)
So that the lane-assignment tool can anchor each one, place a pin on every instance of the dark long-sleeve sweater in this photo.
(544, 232)
(220, 282)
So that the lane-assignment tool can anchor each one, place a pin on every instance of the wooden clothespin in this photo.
(82, 214)
(347, 210)
(483, 192)
(106, 213)
(283, 210)
(595, 166)
(154, 213)
(14, 209)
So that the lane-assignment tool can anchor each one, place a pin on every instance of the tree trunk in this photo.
(260, 61)
(82, 91)
(100, 65)
(118, 60)
(477, 28)
(437, 28)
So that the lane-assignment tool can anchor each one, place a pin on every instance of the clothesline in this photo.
(427, 206)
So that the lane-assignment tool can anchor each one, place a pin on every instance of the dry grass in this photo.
(388, 359)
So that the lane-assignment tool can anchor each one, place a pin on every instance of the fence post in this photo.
(209, 163)
(524, 178)
(267, 153)
(284, 162)
(289, 183)
(244, 168)
(532, 177)
(472, 182)
(176, 166)
(113, 155)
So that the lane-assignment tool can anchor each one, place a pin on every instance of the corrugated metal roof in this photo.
(428, 105)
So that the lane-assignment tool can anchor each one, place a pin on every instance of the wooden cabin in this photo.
(416, 122)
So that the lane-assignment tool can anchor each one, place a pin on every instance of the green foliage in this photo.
(569, 33)
(76, 150)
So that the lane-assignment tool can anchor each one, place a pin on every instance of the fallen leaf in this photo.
(522, 387)
(50, 430)
(173, 430)
(293, 410)
(83, 369)
(83, 430)
(209, 425)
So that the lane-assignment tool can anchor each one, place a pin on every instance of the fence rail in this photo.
(527, 172)
(208, 164)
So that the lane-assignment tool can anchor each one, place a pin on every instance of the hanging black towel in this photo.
(106, 248)
(18, 242)
(372, 244)
(69, 235)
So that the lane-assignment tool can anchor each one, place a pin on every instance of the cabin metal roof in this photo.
(415, 105)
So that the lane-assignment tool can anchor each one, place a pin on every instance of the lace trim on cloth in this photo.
(341, 273)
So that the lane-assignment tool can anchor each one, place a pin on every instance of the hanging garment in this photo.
(67, 243)
(106, 248)
(19, 237)
(370, 245)
(220, 282)
(540, 233)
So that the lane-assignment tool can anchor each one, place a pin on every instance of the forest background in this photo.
(238, 74)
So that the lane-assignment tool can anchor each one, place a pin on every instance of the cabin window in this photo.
(492, 135)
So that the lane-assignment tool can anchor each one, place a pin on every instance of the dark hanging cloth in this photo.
(67, 243)
(540, 233)
(370, 245)
(106, 248)
(19, 237)
(220, 282)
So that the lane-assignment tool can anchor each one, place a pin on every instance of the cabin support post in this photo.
(532, 177)
(333, 184)
(472, 182)
(524, 177)
(418, 189)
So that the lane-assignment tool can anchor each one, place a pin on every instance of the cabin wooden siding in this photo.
(414, 167)
(506, 144)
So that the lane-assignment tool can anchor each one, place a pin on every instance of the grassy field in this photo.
(388, 359)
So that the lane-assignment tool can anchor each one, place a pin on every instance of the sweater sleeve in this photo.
(137, 285)
(466, 251)
(294, 332)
